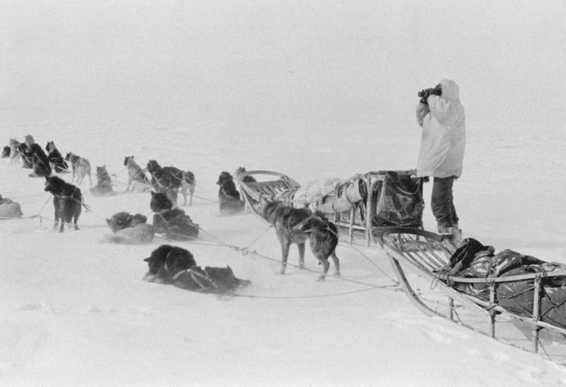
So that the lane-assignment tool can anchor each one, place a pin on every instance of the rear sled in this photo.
(535, 309)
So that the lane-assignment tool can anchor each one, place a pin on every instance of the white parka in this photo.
(444, 133)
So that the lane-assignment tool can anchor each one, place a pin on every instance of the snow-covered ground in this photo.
(75, 310)
(318, 88)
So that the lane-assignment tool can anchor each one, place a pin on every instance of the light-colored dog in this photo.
(81, 168)
(135, 175)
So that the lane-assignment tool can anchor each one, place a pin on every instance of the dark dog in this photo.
(177, 266)
(228, 195)
(6, 152)
(39, 161)
(296, 225)
(245, 179)
(80, 166)
(67, 200)
(122, 220)
(55, 159)
(166, 261)
(103, 183)
(135, 174)
(172, 180)
(173, 222)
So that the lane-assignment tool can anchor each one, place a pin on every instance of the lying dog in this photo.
(135, 174)
(55, 159)
(172, 180)
(80, 166)
(130, 229)
(296, 225)
(67, 201)
(122, 220)
(177, 266)
(228, 196)
(103, 185)
(166, 261)
(9, 208)
(173, 222)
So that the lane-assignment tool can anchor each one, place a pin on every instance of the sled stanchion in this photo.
(492, 313)
(351, 225)
(536, 312)
(451, 307)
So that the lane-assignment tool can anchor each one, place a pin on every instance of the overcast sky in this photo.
(253, 62)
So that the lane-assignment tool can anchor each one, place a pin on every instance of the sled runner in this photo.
(525, 290)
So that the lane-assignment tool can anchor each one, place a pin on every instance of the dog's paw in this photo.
(321, 277)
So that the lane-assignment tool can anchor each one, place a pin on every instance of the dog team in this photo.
(292, 225)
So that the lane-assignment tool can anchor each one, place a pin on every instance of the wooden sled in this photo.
(428, 254)
(259, 186)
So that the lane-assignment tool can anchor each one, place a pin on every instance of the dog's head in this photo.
(50, 146)
(270, 210)
(6, 151)
(167, 260)
(160, 202)
(127, 160)
(315, 221)
(54, 185)
(224, 177)
(69, 156)
(153, 166)
(156, 260)
(189, 177)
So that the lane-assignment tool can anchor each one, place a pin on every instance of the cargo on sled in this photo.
(523, 289)
(362, 204)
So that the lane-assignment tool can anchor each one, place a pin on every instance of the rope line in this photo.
(245, 251)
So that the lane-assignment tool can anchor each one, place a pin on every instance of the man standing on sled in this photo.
(442, 118)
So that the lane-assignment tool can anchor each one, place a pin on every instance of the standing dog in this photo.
(135, 174)
(228, 196)
(296, 225)
(55, 159)
(67, 201)
(171, 180)
(103, 185)
(80, 166)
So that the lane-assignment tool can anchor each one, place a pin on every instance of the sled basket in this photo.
(259, 186)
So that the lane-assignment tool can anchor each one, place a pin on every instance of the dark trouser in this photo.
(443, 202)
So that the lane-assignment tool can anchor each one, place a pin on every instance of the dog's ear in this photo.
(147, 259)
(108, 221)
